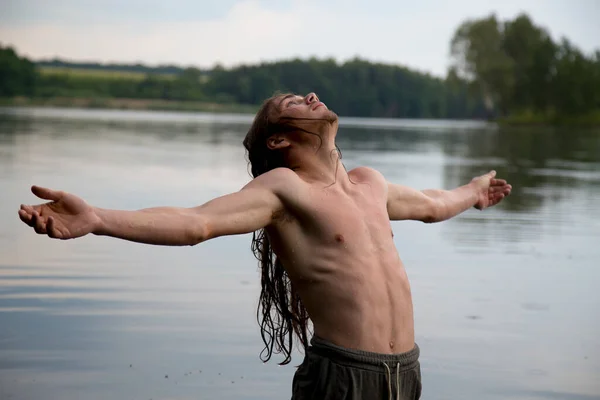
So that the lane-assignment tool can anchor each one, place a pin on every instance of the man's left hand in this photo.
(490, 191)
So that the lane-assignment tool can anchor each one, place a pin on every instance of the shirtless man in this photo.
(324, 241)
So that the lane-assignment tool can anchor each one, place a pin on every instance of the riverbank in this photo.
(519, 120)
(591, 119)
(128, 104)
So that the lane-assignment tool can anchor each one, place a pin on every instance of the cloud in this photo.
(249, 31)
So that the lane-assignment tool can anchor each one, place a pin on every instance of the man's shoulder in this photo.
(367, 174)
(278, 179)
(286, 185)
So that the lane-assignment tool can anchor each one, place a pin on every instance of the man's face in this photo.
(305, 108)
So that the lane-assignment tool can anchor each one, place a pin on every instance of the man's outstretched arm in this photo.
(67, 217)
(433, 205)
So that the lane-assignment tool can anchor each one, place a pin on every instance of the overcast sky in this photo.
(203, 32)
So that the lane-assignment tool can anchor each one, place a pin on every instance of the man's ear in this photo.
(277, 142)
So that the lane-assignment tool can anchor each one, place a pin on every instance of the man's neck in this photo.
(323, 166)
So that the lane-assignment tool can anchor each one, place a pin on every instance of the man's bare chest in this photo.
(339, 217)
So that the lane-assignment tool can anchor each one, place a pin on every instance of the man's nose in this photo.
(311, 98)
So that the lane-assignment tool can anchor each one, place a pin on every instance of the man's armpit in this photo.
(282, 216)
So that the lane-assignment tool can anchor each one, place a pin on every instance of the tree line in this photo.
(519, 70)
(353, 88)
(498, 69)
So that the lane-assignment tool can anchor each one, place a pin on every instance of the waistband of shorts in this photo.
(361, 358)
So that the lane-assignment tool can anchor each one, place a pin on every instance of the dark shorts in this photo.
(331, 372)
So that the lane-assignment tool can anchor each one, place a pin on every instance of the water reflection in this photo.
(542, 165)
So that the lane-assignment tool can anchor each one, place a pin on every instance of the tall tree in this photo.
(532, 53)
(518, 69)
(478, 55)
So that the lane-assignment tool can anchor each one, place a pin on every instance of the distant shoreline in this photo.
(589, 121)
(128, 104)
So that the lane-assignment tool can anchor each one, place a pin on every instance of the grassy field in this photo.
(129, 104)
(98, 73)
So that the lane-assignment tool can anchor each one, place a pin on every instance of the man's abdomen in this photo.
(362, 306)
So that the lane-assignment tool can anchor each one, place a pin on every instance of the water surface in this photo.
(506, 300)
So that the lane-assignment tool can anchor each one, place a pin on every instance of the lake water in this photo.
(507, 301)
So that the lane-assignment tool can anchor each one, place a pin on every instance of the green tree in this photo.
(532, 53)
(518, 69)
(478, 56)
(573, 88)
(17, 75)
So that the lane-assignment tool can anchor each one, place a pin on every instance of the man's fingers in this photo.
(491, 174)
(498, 182)
(46, 194)
(25, 217)
(51, 229)
(500, 189)
(38, 224)
(28, 209)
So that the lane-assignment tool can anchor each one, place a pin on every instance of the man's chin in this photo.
(331, 116)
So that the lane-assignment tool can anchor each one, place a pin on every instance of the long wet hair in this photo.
(280, 313)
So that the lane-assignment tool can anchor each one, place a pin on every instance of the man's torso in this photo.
(337, 246)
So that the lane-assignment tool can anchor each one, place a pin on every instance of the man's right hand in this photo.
(66, 216)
